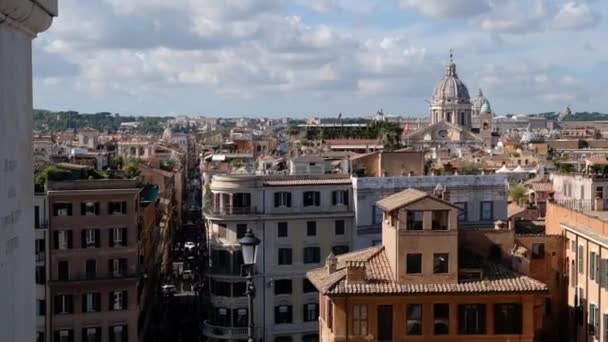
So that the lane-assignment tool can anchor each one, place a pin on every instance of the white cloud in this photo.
(324, 6)
(575, 16)
(515, 17)
(448, 8)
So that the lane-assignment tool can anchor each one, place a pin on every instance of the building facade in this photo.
(424, 283)
(94, 260)
(299, 220)
(20, 22)
(41, 248)
(482, 199)
(585, 269)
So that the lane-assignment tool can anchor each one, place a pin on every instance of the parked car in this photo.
(189, 245)
(169, 289)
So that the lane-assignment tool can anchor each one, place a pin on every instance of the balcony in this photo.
(224, 333)
(231, 210)
(99, 276)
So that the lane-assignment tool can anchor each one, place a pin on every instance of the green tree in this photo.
(131, 168)
(517, 192)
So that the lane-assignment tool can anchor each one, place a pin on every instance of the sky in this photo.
(308, 58)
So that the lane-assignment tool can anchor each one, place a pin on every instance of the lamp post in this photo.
(249, 247)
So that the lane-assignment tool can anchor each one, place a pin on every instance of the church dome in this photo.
(481, 104)
(451, 89)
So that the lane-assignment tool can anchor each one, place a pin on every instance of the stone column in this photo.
(20, 21)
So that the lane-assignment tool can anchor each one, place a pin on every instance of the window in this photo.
(241, 200)
(282, 314)
(376, 215)
(118, 300)
(538, 251)
(282, 199)
(440, 219)
(239, 289)
(548, 307)
(311, 312)
(117, 208)
(605, 327)
(311, 228)
(339, 197)
(117, 267)
(222, 317)
(282, 229)
(312, 198)
(599, 192)
(64, 335)
(312, 255)
(241, 229)
(581, 259)
(507, 319)
(91, 334)
(90, 238)
(41, 307)
(89, 208)
(282, 286)
(310, 338)
(330, 315)
(119, 333)
(91, 268)
(592, 265)
(64, 304)
(359, 320)
(441, 319)
(240, 317)
(573, 246)
(63, 239)
(594, 320)
(414, 220)
(339, 227)
(118, 237)
(307, 286)
(40, 275)
(91, 302)
(487, 211)
(40, 336)
(62, 209)
(441, 263)
(284, 256)
(414, 319)
(36, 217)
(341, 249)
(471, 319)
(220, 288)
(414, 264)
(221, 230)
(63, 270)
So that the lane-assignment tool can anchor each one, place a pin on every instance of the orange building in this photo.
(425, 283)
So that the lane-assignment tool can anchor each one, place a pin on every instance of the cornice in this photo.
(31, 16)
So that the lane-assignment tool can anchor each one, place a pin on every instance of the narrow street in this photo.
(179, 312)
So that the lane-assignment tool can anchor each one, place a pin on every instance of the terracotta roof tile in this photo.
(401, 199)
(380, 279)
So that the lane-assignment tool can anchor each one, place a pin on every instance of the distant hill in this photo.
(578, 116)
(105, 122)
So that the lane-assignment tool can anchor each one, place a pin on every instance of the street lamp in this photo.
(249, 247)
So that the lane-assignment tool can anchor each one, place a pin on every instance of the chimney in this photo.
(331, 263)
(355, 272)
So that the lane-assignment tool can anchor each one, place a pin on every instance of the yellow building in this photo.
(424, 283)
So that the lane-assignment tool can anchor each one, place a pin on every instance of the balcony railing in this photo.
(577, 204)
(86, 276)
(231, 210)
(224, 333)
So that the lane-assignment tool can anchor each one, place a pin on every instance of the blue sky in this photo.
(304, 58)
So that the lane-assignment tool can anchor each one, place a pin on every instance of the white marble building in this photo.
(20, 21)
